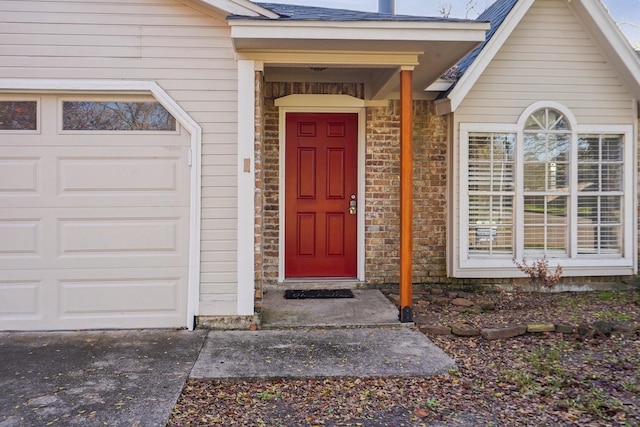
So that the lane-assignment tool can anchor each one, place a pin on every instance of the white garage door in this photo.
(94, 214)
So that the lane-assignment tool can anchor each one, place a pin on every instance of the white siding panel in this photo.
(186, 52)
(548, 57)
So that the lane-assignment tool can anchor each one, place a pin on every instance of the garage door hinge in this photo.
(190, 157)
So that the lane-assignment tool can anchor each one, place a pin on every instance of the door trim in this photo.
(322, 104)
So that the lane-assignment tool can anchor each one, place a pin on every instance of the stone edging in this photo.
(497, 332)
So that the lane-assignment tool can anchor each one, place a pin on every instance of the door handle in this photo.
(353, 205)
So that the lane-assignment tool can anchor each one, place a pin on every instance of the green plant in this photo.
(540, 275)
(631, 386)
(523, 380)
(265, 395)
(432, 403)
(614, 316)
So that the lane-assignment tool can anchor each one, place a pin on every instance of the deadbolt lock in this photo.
(353, 205)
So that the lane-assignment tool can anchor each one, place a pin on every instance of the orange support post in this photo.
(406, 196)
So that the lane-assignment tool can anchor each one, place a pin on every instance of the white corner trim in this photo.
(188, 123)
(484, 58)
(246, 188)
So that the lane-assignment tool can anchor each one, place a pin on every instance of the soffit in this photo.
(379, 48)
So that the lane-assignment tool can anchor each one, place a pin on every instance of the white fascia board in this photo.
(240, 7)
(383, 59)
(482, 61)
(613, 43)
(440, 85)
(337, 30)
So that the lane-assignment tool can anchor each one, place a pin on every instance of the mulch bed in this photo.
(548, 378)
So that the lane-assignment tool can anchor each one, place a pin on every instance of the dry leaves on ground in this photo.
(531, 380)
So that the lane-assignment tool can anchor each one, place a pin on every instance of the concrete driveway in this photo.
(98, 378)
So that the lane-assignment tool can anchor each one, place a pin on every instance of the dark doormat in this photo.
(317, 293)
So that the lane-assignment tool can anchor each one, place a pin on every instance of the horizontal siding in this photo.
(189, 54)
(548, 57)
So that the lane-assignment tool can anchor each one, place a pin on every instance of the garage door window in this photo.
(116, 116)
(18, 115)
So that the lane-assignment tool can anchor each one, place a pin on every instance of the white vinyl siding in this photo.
(549, 56)
(188, 53)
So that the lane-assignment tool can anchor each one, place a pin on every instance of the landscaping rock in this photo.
(540, 327)
(624, 328)
(464, 330)
(435, 330)
(462, 302)
(584, 329)
(486, 304)
(452, 295)
(503, 332)
(564, 328)
(474, 309)
(603, 327)
(442, 301)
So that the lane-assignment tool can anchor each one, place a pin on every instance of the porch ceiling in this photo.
(353, 52)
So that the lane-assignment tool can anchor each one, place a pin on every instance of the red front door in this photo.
(321, 186)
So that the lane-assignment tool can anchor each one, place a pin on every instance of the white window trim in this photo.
(187, 122)
(38, 100)
(584, 265)
(107, 98)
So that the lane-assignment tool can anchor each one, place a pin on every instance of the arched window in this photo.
(546, 152)
(545, 187)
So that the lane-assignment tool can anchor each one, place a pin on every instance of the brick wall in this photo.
(382, 207)
(430, 141)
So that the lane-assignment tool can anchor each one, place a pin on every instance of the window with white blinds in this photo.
(491, 193)
(600, 194)
(546, 187)
(546, 159)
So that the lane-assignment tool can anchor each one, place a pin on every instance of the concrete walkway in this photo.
(134, 378)
(344, 337)
(100, 378)
(309, 353)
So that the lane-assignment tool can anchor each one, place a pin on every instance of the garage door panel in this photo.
(19, 176)
(99, 297)
(19, 299)
(92, 298)
(133, 176)
(94, 227)
(93, 237)
(19, 238)
(93, 176)
(119, 236)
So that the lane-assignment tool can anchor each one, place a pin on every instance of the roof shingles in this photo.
(289, 12)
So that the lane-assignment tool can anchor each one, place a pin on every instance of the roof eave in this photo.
(484, 58)
(612, 42)
(354, 30)
(239, 7)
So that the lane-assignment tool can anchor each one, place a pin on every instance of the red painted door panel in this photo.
(321, 170)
